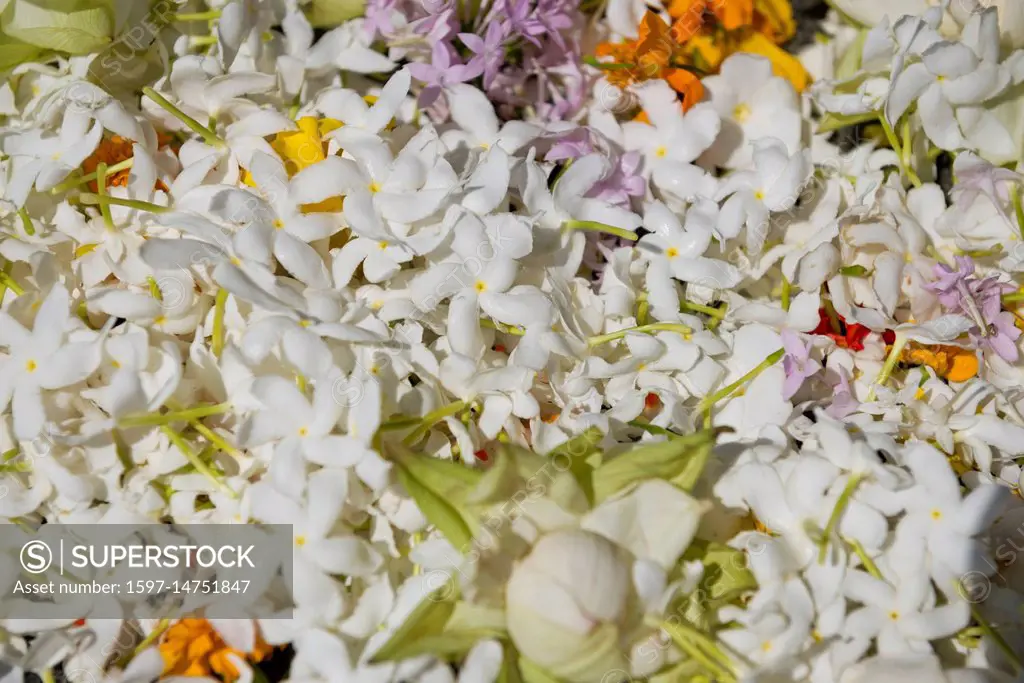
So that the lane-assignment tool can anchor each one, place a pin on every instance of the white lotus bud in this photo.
(563, 604)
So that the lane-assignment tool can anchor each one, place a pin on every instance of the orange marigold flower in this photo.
(192, 647)
(949, 362)
(114, 150)
(656, 53)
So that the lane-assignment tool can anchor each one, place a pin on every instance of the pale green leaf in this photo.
(332, 13)
(14, 52)
(831, 122)
(428, 619)
(76, 27)
(531, 673)
(436, 508)
(850, 62)
(662, 460)
(471, 617)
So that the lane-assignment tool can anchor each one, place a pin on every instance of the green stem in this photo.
(865, 559)
(500, 327)
(998, 639)
(787, 290)
(653, 327)
(88, 178)
(1016, 296)
(890, 134)
(606, 66)
(9, 282)
(91, 199)
(724, 393)
(643, 307)
(163, 419)
(214, 438)
(208, 136)
(399, 423)
(197, 16)
(701, 308)
(219, 307)
(837, 513)
(1018, 209)
(699, 645)
(594, 226)
(890, 365)
(432, 418)
(101, 190)
(26, 222)
(200, 41)
(179, 441)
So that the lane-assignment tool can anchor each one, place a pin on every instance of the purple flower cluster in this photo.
(525, 53)
(961, 292)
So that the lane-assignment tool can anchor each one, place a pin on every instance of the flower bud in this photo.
(563, 602)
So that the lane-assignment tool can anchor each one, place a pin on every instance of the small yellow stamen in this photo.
(936, 514)
(660, 152)
(382, 245)
(741, 112)
(480, 286)
(278, 224)
(894, 615)
(30, 365)
(303, 431)
(374, 186)
(671, 252)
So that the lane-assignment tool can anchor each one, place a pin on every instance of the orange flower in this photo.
(114, 150)
(949, 362)
(193, 648)
(656, 53)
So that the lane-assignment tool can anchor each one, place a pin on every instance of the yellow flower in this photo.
(193, 648)
(302, 148)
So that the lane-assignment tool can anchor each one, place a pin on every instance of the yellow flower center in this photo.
(894, 615)
(741, 112)
(303, 431)
(382, 245)
(374, 186)
(671, 252)
(660, 152)
(300, 540)
(30, 365)
(278, 224)
(936, 514)
(759, 195)
(480, 286)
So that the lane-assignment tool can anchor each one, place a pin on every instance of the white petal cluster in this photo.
(730, 392)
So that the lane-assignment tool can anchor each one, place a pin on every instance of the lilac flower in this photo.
(623, 182)
(379, 17)
(843, 402)
(555, 16)
(573, 145)
(523, 21)
(445, 69)
(961, 292)
(488, 51)
(796, 363)
(438, 27)
(975, 177)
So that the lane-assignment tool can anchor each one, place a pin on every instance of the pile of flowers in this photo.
(576, 341)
